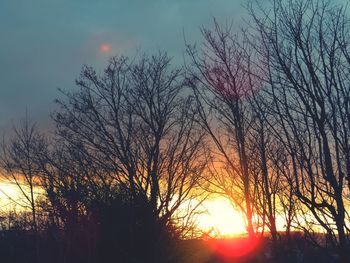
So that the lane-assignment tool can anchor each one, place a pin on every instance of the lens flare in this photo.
(236, 248)
(105, 48)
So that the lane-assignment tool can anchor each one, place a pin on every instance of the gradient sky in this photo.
(44, 43)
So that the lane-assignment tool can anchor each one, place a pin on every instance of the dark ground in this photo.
(19, 246)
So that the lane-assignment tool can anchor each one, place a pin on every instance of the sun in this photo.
(222, 218)
(11, 197)
(9, 194)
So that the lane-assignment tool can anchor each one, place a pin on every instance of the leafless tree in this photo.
(264, 153)
(303, 54)
(18, 161)
(220, 76)
(135, 126)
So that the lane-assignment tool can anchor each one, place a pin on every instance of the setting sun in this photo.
(9, 193)
(221, 218)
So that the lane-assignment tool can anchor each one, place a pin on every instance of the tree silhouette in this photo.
(131, 130)
(18, 160)
(221, 80)
(303, 52)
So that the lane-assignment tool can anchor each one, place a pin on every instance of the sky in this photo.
(44, 43)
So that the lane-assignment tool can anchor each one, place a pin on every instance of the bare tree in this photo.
(220, 76)
(136, 127)
(303, 53)
(18, 160)
(263, 151)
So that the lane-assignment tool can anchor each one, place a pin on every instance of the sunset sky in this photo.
(44, 43)
(174, 130)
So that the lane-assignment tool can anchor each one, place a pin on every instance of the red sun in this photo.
(105, 48)
(235, 248)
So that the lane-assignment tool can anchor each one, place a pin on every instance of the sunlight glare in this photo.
(222, 218)
(11, 196)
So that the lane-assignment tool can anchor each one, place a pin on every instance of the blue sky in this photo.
(44, 43)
